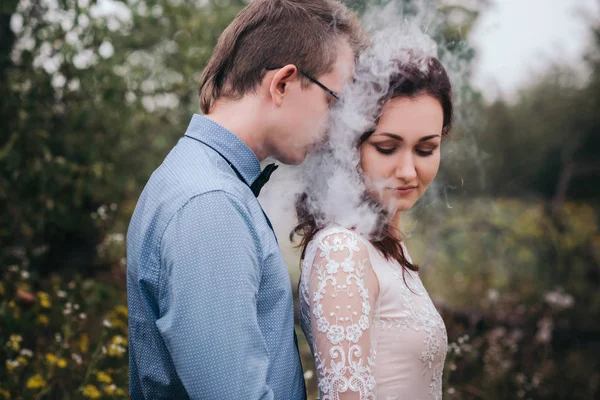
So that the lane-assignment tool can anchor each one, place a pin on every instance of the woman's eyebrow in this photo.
(399, 138)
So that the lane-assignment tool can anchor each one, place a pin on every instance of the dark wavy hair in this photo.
(410, 81)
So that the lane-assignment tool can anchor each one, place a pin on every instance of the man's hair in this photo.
(265, 33)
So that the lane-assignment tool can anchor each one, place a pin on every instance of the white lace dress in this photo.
(372, 335)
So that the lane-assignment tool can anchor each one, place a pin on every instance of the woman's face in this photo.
(402, 156)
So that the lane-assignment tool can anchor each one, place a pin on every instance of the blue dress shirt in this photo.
(209, 295)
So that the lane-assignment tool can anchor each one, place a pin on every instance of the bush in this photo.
(61, 340)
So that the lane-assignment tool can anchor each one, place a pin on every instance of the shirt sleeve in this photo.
(208, 319)
(343, 292)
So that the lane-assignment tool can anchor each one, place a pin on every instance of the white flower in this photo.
(82, 316)
(107, 323)
(363, 322)
(318, 310)
(559, 299)
(77, 358)
(348, 266)
(544, 333)
(353, 333)
(27, 353)
(322, 324)
(16, 338)
(62, 294)
(371, 382)
(323, 386)
(335, 334)
(332, 267)
(317, 296)
(24, 274)
(366, 308)
(337, 243)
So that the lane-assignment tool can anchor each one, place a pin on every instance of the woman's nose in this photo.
(405, 169)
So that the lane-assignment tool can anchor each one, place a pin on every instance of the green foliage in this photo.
(545, 142)
(93, 100)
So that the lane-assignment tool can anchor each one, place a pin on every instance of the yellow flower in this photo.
(118, 346)
(121, 310)
(44, 299)
(22, 360)
(92, 392)
(1, 293)
(24, 287)
(61, 363)
(84, 343)
(119, 340)
(14, 342)
(36, 382)
(51, 359)
(5, 393)
(12, 304)
(110, 389)
(103, 377)
(43, 319)
(11, 365)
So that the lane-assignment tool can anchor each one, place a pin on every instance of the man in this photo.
(209, 296)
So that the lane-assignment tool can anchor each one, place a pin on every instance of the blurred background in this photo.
(95, 93)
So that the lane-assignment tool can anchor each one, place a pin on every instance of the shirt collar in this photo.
(227, 144)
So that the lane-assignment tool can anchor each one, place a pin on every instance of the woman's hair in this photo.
(425, 78)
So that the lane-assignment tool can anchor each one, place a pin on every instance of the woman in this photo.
(373, 330)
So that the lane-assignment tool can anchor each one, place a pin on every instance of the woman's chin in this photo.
(404, 205)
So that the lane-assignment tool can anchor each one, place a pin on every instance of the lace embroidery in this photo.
(424, 318)
(341, 309)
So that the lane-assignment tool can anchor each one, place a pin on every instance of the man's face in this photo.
(305, 113)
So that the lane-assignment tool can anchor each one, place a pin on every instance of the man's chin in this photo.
(292, 159)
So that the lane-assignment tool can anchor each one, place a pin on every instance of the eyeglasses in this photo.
(310, 78)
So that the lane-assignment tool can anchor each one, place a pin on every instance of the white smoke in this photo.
(331, 175)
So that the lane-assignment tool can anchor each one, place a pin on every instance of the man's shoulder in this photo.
(185, 175)
(181, 182)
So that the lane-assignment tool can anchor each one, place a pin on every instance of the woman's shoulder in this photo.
(337, 233)
(339, 240)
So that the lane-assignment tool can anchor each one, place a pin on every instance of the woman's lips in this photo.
(403, 191)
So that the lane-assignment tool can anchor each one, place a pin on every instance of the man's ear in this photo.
(279, 82)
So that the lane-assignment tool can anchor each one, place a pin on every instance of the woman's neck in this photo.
(395, 226)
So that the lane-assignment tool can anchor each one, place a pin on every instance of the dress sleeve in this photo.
(343, 290)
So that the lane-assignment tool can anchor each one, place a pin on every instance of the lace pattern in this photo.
(340, 314)
(420, 315)
(341, 293)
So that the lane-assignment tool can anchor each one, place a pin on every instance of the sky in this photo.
(515, 39)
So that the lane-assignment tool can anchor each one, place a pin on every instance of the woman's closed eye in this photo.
(421, 151)
(425, 151)
(386, 149)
